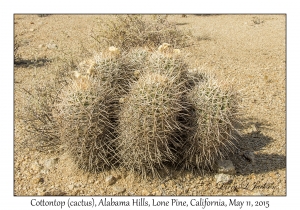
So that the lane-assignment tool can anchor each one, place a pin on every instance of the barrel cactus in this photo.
(148, 124)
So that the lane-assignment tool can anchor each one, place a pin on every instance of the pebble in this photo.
(157, 192)
(25, 42)
(36, 167)
(41, 191)
(170, 183)
(253, 128)
(32, 29)
(254, 131)
(55, 192)
(118, 189)
(71, 187)
(44, 171)
(41, 46)
(223, 178)
(110, 180)
(145, 192)
(226, 167)
(50, 163)
(179, 191)
(91, 181)
(39, 180)
(51, 46)
(249, 156)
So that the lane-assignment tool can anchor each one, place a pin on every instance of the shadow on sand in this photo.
(39, 62)
(255, 141)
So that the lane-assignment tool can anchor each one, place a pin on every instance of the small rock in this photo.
(71, 187)
(226, 167)
(145, 192)
(157, 192)
(249, 156)
(25, 42)
(119, 189)
(41, 46)
(170, 183)
(253, 128)
(51, 46)
(41, 191)
(91, 181)
(110, 180)
(50, 163)
(224, 178)
(118, 176)
(44, 171)
(179, 191)
(32, 29)
(39, 180)
(55, 192)
(254, 131)
(36, 167)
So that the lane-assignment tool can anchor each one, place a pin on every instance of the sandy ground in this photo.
(248, 49)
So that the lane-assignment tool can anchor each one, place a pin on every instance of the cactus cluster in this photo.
(144, 110)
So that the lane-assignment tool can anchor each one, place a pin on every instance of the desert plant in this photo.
(84, 117)
(38, 116)
(37, 111)
(137, 59)
(130, 31)
(148, 124)
(169, 64)
(213, 112)
(257, 20)
(16, 47)
(113, 70)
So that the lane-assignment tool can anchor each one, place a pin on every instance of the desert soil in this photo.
(249, 50)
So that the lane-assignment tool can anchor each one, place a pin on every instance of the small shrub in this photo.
(37, 116)
(130, 31)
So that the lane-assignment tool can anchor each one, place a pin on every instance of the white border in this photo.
(8, 201)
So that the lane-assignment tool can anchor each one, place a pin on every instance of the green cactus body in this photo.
(171, 65)
(85, 125)
(211, 121)
(148, 124)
